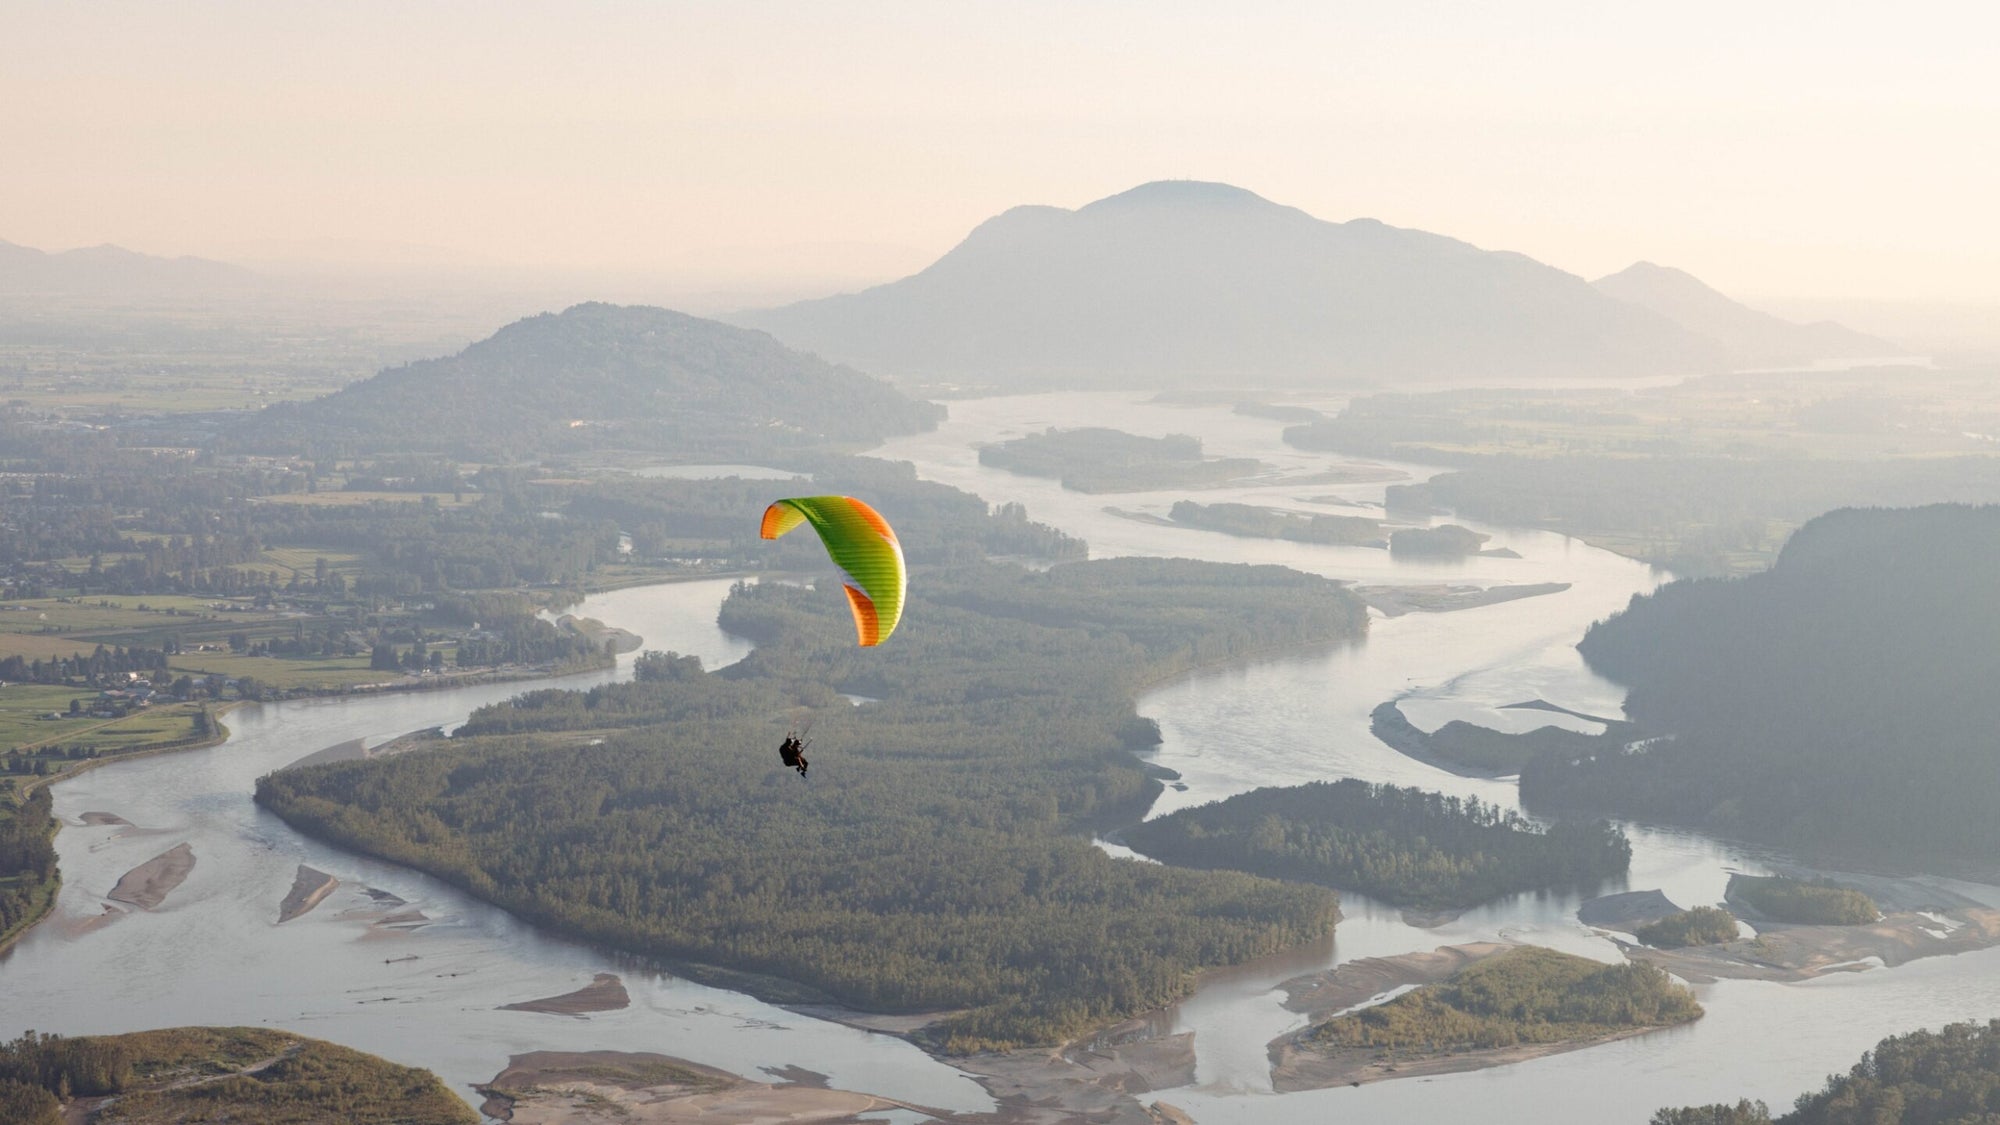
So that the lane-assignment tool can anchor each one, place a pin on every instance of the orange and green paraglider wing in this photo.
(862, 545)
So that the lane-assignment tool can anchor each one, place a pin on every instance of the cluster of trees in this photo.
(27, 861)
(1702, 925)
(1525, 995)
(99, 667)
(1094, 459)
(934, 860)
(523, 640)
(1839, 702)
(1469, 747)
(189, 1074)
(1946, 1077)
(1816, 903)
(1255, 522)
(1398, 845)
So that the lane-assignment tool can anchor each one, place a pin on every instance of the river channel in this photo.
(213, 953)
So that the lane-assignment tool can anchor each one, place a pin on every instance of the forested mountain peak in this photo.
(599, 375)
(1177, 281)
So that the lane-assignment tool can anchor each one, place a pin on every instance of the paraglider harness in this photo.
(792, 752)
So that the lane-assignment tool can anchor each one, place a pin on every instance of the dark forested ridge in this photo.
(601, 376)
(1402, 846)
(934, 858)
(1946, 1077)
(1843, 700)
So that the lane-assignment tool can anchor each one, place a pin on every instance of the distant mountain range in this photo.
(113, 271)
(1750, 337)
(1182, 282)
(602, 376)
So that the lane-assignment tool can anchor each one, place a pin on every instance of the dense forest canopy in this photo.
(1525, 995)
(935, 859)
(1946, 1077)
(601, 376)
(1398, 845)
(1842, 700)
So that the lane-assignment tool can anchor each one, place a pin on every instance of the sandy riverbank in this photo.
(1792, 953)
(148, 885)
(309, 889)
(1395, 601)
(1321, 995)
(591, 1087)
(605, 993)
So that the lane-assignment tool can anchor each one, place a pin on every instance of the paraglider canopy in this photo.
(864, 547)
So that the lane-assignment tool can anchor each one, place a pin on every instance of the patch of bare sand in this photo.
(309, 889)
(347, 751)
(1320, 995)
(605, 993)
(1095, 1081)
(148, 885)
(1791, 953)
(596, 1087)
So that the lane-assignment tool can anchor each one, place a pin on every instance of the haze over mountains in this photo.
(602, 376)
(1176, 282)
(1750, 336)
(113, 271)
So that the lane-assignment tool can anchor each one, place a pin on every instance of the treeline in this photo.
(933, 861)
(1840, 702)
(1525, 995)
(1402, 846)
(1095, 459)
(1946, 1077)
(1702, 925)
(27, 861)
(103, 663)
(1449, 541)
(1271, 523)
(1816, 903)
(191, 1074)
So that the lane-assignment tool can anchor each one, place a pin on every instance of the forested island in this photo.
(1840, 701)
(1402, 846)
(935, 859)
(1816, 903)
(214, 1074)
(1950, 1076)
(1095, 459)
(1515, 1005)
(1448, 541)
(1475, 751)
(1255, 522)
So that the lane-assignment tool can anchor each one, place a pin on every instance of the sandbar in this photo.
(1323, 994)
(584, 1088)
(605, 993)
(148, 885)
(309, 889)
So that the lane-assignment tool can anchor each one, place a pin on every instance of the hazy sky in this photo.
(1822, 148)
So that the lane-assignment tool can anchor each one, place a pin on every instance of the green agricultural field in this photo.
(22, 725)
(291, 673)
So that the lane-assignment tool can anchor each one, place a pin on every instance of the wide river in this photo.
(213, 954)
